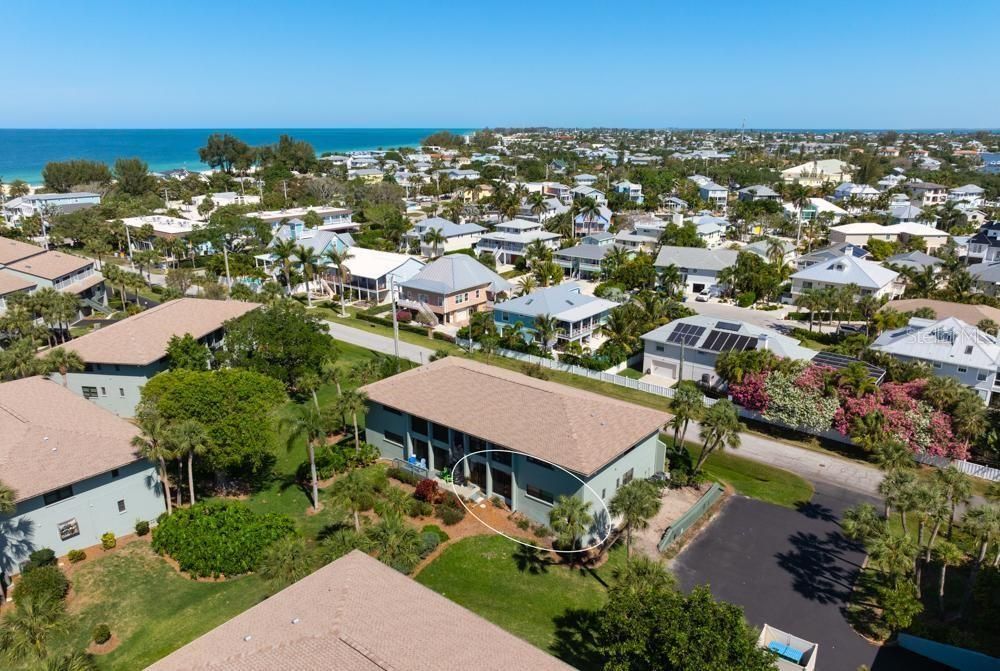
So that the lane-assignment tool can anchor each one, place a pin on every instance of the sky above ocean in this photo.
(256, 64)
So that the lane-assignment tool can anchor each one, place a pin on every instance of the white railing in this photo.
(975, 470)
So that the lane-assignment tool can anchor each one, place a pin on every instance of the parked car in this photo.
(704, 296)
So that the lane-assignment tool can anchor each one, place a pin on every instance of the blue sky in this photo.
(874, 64)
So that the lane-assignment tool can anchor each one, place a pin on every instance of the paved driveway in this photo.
(792, 569)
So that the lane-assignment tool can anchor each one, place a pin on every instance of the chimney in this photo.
(762, 342)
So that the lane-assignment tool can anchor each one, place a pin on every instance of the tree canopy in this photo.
(62, 176)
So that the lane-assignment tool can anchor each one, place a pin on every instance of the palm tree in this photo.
(186, 439)
(526, 285)
(28, 628)
(354, 492)
(536, 252)
(338, 259)
(983, 524)
(151, 444)
(808, 300)
(72, 661)
(589, 210)
(546, 328)
(353, 403)
(890, 453)
(635, 503)
(537, 202)
(284, 252)
(670, 279)
(623, 328)
(308, 421)
(688, 404)
(856, 379)
(968, 418)
(8, 499)
(776, 252)
(64, 362)
(308, 261)
(957, 488)
(719, 429)
(863, 523)
(286, 561)
(20, 360)
(896, 488)
(435, 238)
(642, 574)
(947, 554)
(570, 518)
(394, 543)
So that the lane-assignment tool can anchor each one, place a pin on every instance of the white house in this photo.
(860, 233)
(927, 194)
(334, 218)
(579, 192)
(699, 268)
(860, 192)
(371, 273)
(970, 193)
(509, 240)
(818, 173)
(456, 236)
(870, 278)
(48, 204)
(630, 190)
(757, 192)
(715, 194)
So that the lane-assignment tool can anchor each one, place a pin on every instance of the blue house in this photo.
(577, 314)
(507, 435)
(73, 469)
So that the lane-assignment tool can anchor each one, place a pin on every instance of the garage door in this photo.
(667, 370)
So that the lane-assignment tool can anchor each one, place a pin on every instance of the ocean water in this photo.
(24, 152)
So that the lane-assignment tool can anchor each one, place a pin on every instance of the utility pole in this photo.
(395, 322)
(284, 186)
(128, 246)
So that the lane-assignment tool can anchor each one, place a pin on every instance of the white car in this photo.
(703, 296)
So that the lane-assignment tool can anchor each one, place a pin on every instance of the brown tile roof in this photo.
(576, 429)
(9, 283)
(15, 250)
(50, 265)
(970, 314)
(53, 438)
(142, 339)
(356, 614)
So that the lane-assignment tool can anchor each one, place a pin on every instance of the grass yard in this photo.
(150, 607)
(752, 478)
(547, 605)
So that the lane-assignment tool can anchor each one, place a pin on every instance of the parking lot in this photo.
(792, 569)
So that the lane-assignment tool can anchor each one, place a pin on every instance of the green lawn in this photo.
(546, 605)
(754, 479)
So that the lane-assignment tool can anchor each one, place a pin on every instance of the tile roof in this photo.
(15, 250)
(50, 265)
(356, 614)
(9, 283)
(142, 339)
(576, 429)
(971, 314)
(53, 438)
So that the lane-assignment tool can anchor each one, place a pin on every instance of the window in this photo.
(121, 391)
(58, 495)
(502, 484)
(963, 369)
(937, 365)
(115, 472)
(629, 474)
(420, 449)
(540, 494)
(441, 433)
(501, 457)
(539, 462)
(968, 349)
(982, 375)
(121, 505)
(391, 411)
(104, 392)
(604, 493)
(418, 425)
(659, 348)
(90, 392)
(393, 437)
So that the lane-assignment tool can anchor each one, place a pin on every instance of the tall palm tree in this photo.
(20, 360)
(947, 554)
(308, 261)
(435, 238)
(64, 361)
(152, 446)
(670, 278)
(27, 629)
(983, 524)
(186, 439)
(957, 488)
(526, 285)
(536, 252)
(570, 518)
(896, 489)
(354, 403)
(309, 423)
(354, 492)
(943, 392)
(635, 503)
(589, 211)
(688, 404)
(719, 429)
(338, 259)
(776, 252)
(545, 328)
(808, 300)
(284, 252)
(537, 202)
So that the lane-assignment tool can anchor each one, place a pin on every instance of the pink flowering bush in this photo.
(815, 378)
(751, 392)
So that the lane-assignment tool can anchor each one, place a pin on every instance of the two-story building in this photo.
(870, 278)
(970, 194)
(578, 316)
(752, 194)
(74, 472)
(120, 358)
(580, 192)
(699, 268)
(334, 218)
(927, 194)
(451, 289)
(951, 347)
(371, 273)
(456, 236)
(48, 204)
(25, 264)
(861, 232)
(630, 190)
(509, 240)
(715, 195)
(586, 260)
(515, 437)
(586, 223)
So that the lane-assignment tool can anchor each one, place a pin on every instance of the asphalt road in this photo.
(794, 570)
(374, 341)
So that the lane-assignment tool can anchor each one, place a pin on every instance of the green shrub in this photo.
(102, 633)
(39, 558)
(746, 299)
(541, 531)
(522, 523)
(404, 476)
(449, 514)
(42, 582)
(435, 529)
(420, 508)
(141, 527)
(75, 556)
(428, 543)
(108, 540)
(215, 538)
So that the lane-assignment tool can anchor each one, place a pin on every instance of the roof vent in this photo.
(295, 621)
(247, 637)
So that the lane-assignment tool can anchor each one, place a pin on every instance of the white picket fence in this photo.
(967, 467)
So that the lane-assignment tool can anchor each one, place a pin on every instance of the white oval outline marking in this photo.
(518, 540)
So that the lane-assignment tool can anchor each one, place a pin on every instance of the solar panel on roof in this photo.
(841, 361)
(686, 333)
(728, 326)
(724, 341)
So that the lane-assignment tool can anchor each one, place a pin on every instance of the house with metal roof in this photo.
(630, 190)
(524, 440)
(596, 222)
(871, 278)
(830, 252)
(371, 273)
(952, 347)
(715, 194)
(509, 240)
(917, 261)
(48, 204)
(757, 192)
(74, 472)
(970, 194)
(585, 179)
(586, 260)
(120, 358)
(451, 289)
(688, 348)
(578, 315)
(456, 236)
(580, 191)
(861, 232)
(986, 277)
(699, 268)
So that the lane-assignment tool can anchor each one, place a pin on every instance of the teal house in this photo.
(507, 435)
